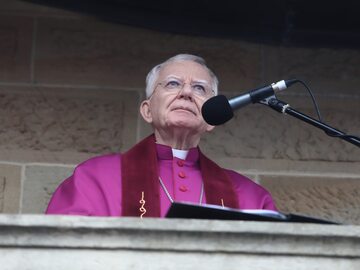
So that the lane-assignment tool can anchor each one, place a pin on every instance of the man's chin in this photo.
(192, 126)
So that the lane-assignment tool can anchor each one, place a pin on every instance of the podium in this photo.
(71, 242)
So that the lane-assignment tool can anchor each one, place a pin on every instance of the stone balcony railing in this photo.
(65, 242)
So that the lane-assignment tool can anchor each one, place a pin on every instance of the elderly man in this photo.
(168, 165)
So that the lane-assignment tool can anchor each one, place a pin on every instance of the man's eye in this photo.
(199, 88)
(172, 84)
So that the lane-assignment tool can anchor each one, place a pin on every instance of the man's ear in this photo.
(145, 111)
(209, 128)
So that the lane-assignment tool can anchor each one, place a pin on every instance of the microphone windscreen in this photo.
(217, 110)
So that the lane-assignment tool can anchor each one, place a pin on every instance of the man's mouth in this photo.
(184, 109)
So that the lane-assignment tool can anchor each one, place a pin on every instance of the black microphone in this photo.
(218, 110)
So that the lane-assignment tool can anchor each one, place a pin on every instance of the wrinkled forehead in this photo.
(186, 70)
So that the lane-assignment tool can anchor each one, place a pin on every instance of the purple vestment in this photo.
(95, 187)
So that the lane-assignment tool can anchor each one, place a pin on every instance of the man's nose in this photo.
(186, 91)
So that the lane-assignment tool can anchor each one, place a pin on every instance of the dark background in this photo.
(278, 22)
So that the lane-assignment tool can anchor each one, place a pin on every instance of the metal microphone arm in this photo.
(285, 108)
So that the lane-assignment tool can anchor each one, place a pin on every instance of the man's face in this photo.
(180, 108)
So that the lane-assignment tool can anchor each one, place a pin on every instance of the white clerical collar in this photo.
(180, 153)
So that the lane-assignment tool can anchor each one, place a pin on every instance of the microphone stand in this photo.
(285, 108)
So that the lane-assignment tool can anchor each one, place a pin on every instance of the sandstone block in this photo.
(332, 198)
(327, 71)
(15, 48)
(258, 132)
(67, 120)
(40, 183)
(324, 63)
(10, 188)
(76, 51)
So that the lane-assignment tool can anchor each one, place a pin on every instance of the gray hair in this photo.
(153, 75)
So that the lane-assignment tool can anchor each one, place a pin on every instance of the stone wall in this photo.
(70, 86)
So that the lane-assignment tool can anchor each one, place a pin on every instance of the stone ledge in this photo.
(190, 235)
(65, 242)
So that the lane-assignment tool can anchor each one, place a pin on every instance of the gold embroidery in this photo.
(222, 203)
(142, 202)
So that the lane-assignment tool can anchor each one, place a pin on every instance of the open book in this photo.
(208, 211)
